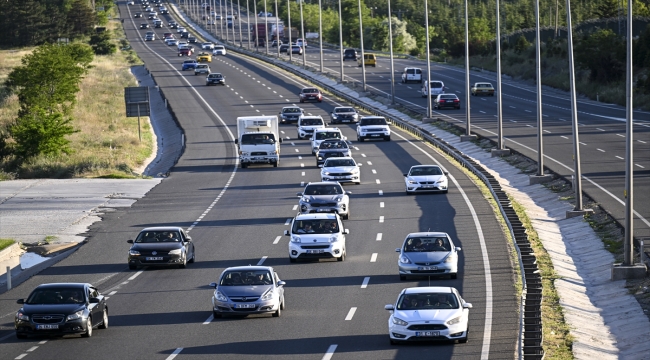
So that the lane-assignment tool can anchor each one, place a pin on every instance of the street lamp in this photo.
(390, 47)
(290, 50)
(266, 28)
(302, 36)
(277, 28)
(248, 24)
(426, 26)
(341, 38)
(256, 30)
(372, 11)
(320, 33)
(241, 42)
(363, 62)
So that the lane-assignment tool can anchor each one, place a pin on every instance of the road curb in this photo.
(8, 252)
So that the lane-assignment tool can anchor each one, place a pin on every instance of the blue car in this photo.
(189, 65)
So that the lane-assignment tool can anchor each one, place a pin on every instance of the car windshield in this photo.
(52, 296)
(484, 85)
(254, 139)
(309, 91)
(311, 121)
(158, 236)
(333, 145)
(448, 97)
(201, 66)
(343, 110)
(427, 244)
(436, 84)
(327, 135)
(425, 171)
(328, 189)
(214, 76)
(291, 110)
(339, 162)
(427, 301)
(315, 226)
(373, 121)
(246, 278)
(189, 61)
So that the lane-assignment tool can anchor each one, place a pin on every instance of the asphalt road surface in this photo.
(237, 216)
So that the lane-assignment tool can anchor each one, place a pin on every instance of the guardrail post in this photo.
(8, 278)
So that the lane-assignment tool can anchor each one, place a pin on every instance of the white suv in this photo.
(412, 74)
(324, 134)
(373, 127)
(317, 236)
(437, 88)
(307, 125)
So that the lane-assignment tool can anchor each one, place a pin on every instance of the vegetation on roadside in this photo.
(5, 243)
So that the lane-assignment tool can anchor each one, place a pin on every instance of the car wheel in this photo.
(278, 312)
(464, 340)
(387, 138)
(361, 139)
(292, 260)
(342, 258)
(301, 101)
(104, 324)
(243, 166)
(193, 259)
(394, 342)
(408, 192)
(402, 277)
(454, 276)
(216, 315)
(89, 327)
(446, 191)
(21, 336)
(282, 305)
(133, 267)
(184, 264)
(346, 216)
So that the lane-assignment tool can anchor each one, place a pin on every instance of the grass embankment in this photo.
(5, 243)
(107, 143)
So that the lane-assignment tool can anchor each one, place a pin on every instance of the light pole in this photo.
(363, 63)
(538, 70)
(629, 133)
(390, 47)
(499, 107)
(290, 50)
(341, 39)
(277, 28)
(226, 20)
(468, 123)
(320, 32)
(428, 85)
(248, 24)
(302, 36)
(241, 41)
(266, 28)
(256, 30)
(232, 21)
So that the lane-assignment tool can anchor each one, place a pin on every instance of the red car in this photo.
(310, 93)
(185, 51)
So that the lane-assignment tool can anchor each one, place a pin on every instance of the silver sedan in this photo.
(428, 254)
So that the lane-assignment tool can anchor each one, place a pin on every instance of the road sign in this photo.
(137, 101)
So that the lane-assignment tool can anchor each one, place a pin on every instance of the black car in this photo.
(191, 39)
(350, 54)
(284, 48)
(215, 79)
(173, 25)
(61, 309)
(332, 148)
(137, 15)
(144, 26)
(185, 35)
(161, 246)
(446, 100)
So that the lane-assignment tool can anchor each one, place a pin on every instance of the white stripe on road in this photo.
(363, 155)
(618, 157)
(351, 313)
(25, 354)
(373, 258)
(330, 351)
(365, 282)
(112, 293)
(262, 260)
(42, 342)
(135, 275)
(374, 171)
(173, 355)
(369, 162)
(379, 236)
(641, 166)
(287, 222)
(302, 183)
(381, 204)
(381, 219)
(208, 320)
(32, 348)
(564, 137)
(295, 207)
(381, 192)
(377, 181)
(277, 239)
(303, 173)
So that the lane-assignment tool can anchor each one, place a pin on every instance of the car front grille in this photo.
(244, 310)
(258, 153)
(308, 131)
(374, 130)
(314, 246)
(48, 319)
(340, 174)
(427, 327)
(442, 271)
(323, 204)
(244, 298)
(427, 263)
(149, 253)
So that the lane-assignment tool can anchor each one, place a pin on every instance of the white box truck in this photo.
(258, 140)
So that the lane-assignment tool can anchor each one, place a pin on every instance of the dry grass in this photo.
(107, 143)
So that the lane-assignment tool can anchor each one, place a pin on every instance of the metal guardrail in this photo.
(530, 318)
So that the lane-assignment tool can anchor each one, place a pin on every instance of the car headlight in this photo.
(335, 116)
(355, 171)
(334, 238)
(243, 153)
(453, 321)
(320, 158)
(175, 252)
(268, 295)
(274, 152)
(450, 258)
(295, 239)
(75, 316)
(398, 321)
(304, 199)
(134, 252)
(220, 297)
(21, 316)
(404, 260)
(325, 172)
(412, 181)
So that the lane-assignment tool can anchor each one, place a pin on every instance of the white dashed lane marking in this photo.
(330, 351)
(277, 239)
(373, 258)
(381, 204)
(601, 150)
(381, 219)
(377, 180)
(365, 282)
(618, 157)
(174, 354)
(287, 222)
(262, 260)
(295, 207)
(374, 171)
(351, 313)
(641, 166)
(369, 162)
(379, 236)
(381, 192)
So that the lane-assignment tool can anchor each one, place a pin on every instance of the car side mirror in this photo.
(389, 307)
(299, 194)
(20, 301)
(345, 231)
(405, 175)
(286, 233)
(320, 165)
(349, 192)
(213, 285)
(236, 141)
(458, 248)
(130, 241)
(94, 300)
(446, 172)
(467, 306)
(280, 140)
(398, 250)
(188, 238)
(281, 283)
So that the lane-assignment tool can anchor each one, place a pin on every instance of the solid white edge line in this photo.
(209, 320)
(277, 239)
(487, 329)
(173, 355)
(330, 351)
(365, 282)
(135, 275)
(262, 260)
(351, 313)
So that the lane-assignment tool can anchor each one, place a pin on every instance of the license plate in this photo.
(345, 120)
(427, 186)
(315, 251)
(428, 268)
(47, 327)
(245, 306)
(323, 210)
(375, 134)
(427, 333)
(258, 158)
(154, 258)
(339, 177)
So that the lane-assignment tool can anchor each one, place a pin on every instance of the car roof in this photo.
(428, 289)
(310, 88)
(162, 228)
(340, 158)
(59, 285)
(249, 267)
(425, 165)
(323, 183)
(427, 234)
(320, 216)
(328, 130)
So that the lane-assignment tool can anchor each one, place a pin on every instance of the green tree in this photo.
(603, 53)
(521, 45)
(41, 132)
(101, 44)
(80, 19)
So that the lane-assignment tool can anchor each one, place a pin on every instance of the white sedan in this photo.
(219, 50)
(341, 169)
(428, 313)
(426, 178)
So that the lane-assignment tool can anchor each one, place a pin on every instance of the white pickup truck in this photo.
(258, 140)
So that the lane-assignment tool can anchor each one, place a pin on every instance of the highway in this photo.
(601, 125)
(237, 216)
